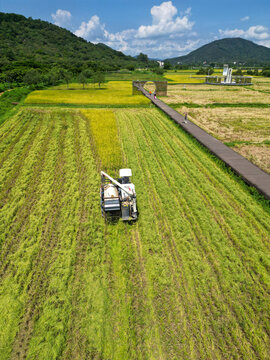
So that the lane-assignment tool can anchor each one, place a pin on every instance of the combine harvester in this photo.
(118, 198)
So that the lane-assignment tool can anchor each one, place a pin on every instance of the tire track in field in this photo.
(36, 291)
(22, 216)
(215, 269)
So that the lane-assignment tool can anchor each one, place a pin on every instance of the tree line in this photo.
(35, 78)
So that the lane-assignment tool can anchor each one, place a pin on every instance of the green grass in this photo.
(243, 142)
(189, 280)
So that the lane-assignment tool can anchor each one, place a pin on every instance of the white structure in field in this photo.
(228, 78)
(227, 73)
(161, 63)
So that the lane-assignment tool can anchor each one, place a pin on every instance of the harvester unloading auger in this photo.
(118, 197)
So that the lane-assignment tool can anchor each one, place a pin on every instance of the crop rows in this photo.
(208, 243)
(106, 144)
(188, 280)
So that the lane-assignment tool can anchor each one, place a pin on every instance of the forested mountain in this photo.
(224, 51)
(39, 44)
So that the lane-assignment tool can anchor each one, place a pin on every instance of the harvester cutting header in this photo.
(118, 197)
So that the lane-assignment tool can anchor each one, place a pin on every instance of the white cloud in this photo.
(257, 32)
(61, 17)
(264, 43)
(245, 18)
(232, 33)
(164, 23)
(160, 39)
(93, 30)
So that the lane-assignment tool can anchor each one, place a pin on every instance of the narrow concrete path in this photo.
(250, 173)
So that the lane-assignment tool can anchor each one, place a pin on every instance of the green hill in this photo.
(227, 51)
(37, 43)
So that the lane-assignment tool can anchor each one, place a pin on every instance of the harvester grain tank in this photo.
(118, 197)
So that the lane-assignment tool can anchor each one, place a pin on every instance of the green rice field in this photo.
(189, 280)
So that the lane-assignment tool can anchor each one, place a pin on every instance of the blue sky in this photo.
(161, 29)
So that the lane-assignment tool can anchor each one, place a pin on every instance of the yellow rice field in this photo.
(106, 143)
(112, 93)
(184, 77)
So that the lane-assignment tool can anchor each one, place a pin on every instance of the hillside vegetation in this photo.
(228, 50)
(39, 42)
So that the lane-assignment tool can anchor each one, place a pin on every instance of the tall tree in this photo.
(82, 79)
(66, 76)
(98, 78)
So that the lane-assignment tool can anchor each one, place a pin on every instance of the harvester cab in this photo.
(118, 197)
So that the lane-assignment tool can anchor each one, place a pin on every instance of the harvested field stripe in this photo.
(7, 127)
(45, 256)
(10, 173)
(76, 339)
(157, 225)
(175, 256)
(198, 195)
(19, 215)
(13, 154)
(252, 257)
(160, 154)
(14, 134)
(20, 279)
